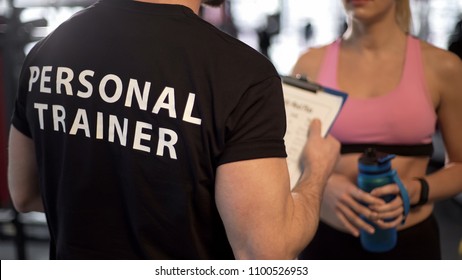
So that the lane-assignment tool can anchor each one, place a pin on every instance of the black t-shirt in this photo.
(132, 107)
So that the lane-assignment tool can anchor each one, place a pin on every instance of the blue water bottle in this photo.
(375, 171)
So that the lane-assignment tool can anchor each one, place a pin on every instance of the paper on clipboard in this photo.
(305, 101)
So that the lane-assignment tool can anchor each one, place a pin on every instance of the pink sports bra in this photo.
(404, 117)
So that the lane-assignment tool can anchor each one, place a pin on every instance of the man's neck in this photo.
(192, 4)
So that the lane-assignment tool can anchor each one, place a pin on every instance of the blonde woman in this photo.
(400, 89)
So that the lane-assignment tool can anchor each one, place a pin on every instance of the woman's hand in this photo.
(389, 215)
(347, 203)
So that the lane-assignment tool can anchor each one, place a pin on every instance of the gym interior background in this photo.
(280, 29)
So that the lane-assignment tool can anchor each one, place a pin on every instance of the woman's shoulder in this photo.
(443, 71)
(441, 60)
(310, 60)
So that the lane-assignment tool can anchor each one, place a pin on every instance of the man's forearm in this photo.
(307, 196)
(23, 173)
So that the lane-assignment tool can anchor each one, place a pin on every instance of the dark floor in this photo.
(448, 213)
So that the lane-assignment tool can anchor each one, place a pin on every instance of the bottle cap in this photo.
(374, 161)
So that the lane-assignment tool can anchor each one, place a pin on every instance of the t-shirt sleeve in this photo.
(256, 127)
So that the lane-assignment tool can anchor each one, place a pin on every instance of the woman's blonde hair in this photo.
(403, 15)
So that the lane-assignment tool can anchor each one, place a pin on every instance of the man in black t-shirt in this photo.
(143, 132)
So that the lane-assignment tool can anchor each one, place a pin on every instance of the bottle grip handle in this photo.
(404, 195)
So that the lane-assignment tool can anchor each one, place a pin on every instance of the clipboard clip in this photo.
(302, 81)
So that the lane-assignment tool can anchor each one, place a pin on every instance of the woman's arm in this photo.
(447, 78)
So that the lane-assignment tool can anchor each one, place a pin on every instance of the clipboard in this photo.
(305, 100)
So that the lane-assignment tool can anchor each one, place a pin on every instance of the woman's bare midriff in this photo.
(407, 167)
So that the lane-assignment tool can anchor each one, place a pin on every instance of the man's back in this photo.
(132, 106)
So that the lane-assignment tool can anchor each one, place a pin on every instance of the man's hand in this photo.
(320, 154)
